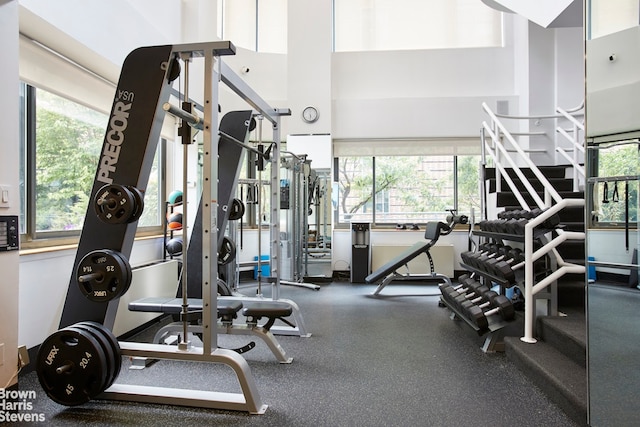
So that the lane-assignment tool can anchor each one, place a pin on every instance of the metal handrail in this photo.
(552, 204)
(547, 186)
(577, 143)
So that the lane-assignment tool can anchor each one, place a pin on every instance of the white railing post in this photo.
(529, 303)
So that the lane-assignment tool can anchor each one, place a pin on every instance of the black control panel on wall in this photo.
(9, 233)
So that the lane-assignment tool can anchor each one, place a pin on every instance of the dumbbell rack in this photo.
(493, 342)
(519, 274)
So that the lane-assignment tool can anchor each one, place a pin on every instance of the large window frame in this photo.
(260, 26)
(31, 236)
(389, 25)
(372, 187)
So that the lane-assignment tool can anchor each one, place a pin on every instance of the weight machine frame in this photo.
(143, 89)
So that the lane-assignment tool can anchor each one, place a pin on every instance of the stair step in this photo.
(505, 198)
(560, 184)
(566, 333)
(548, 171)
(572, 249)
(560, 378)
(571, 291)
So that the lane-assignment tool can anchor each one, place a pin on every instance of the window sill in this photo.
(47, 245)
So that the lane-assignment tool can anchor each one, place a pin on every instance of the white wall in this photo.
(44, 279)
(9, 279)
(341, 244)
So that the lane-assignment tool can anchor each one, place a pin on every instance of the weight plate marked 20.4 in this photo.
(107, 349)
(71, 367)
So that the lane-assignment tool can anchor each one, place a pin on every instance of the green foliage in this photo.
(618, 161)
(67, 154)
(407, 188)
(468, 184)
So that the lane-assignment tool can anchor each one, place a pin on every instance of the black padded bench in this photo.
(389, 271)
(227, 310)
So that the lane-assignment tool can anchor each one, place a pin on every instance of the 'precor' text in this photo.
(115, 136)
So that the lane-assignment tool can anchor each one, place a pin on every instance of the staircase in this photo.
(552, 351)
(557, 362)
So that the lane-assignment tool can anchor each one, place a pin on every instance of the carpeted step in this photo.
(566, 333)
(560, 184)
(560, 378)
(548, 171)
(507, 198)
(571, 291)
(572, 250)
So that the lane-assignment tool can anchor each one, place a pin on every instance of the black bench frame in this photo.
(389, 271)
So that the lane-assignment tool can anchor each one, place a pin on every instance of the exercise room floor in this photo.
(371, 361)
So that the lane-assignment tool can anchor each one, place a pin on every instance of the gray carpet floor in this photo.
(395, 360)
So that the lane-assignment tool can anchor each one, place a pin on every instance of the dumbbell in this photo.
(460, 299)
(450, 293)
(474, 259)
(509, 256)
(552, 222)
(481, 300)
(516, 226)
(510, 214)
(499, 305)
(503, 269)
(500, 253)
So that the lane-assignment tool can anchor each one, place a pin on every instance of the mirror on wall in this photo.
(613, 172)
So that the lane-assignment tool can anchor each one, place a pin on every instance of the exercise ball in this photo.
(174, 222)
(174, 246)
(175, 198)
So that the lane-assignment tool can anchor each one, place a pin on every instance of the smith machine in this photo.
(82, 360)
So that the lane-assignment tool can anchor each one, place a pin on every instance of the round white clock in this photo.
(310, 114)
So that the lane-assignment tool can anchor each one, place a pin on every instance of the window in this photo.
(604, 18)
(252, 24)
(61, 143)
(618, 166)
(405, 189)
(363, 25)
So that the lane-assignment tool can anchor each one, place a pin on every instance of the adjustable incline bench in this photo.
(389, 271)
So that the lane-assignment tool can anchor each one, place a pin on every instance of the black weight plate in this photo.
(139, 205)
(227, 251)
(115, 204)
(103, 275)
(106, 348)
(103, 351)
(236, 209)
(223, 288)
(71, 367)
(113, 342)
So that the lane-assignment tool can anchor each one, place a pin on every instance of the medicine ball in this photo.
(175, 198)
(174, 246)
(174, 222)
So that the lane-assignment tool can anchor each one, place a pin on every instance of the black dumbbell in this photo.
(450, 293)
(460, 300)
(504, 269)
(500, 253)
(510, 256)
(499, 305)
(475, 259)
(516, 226)
(550, 223)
